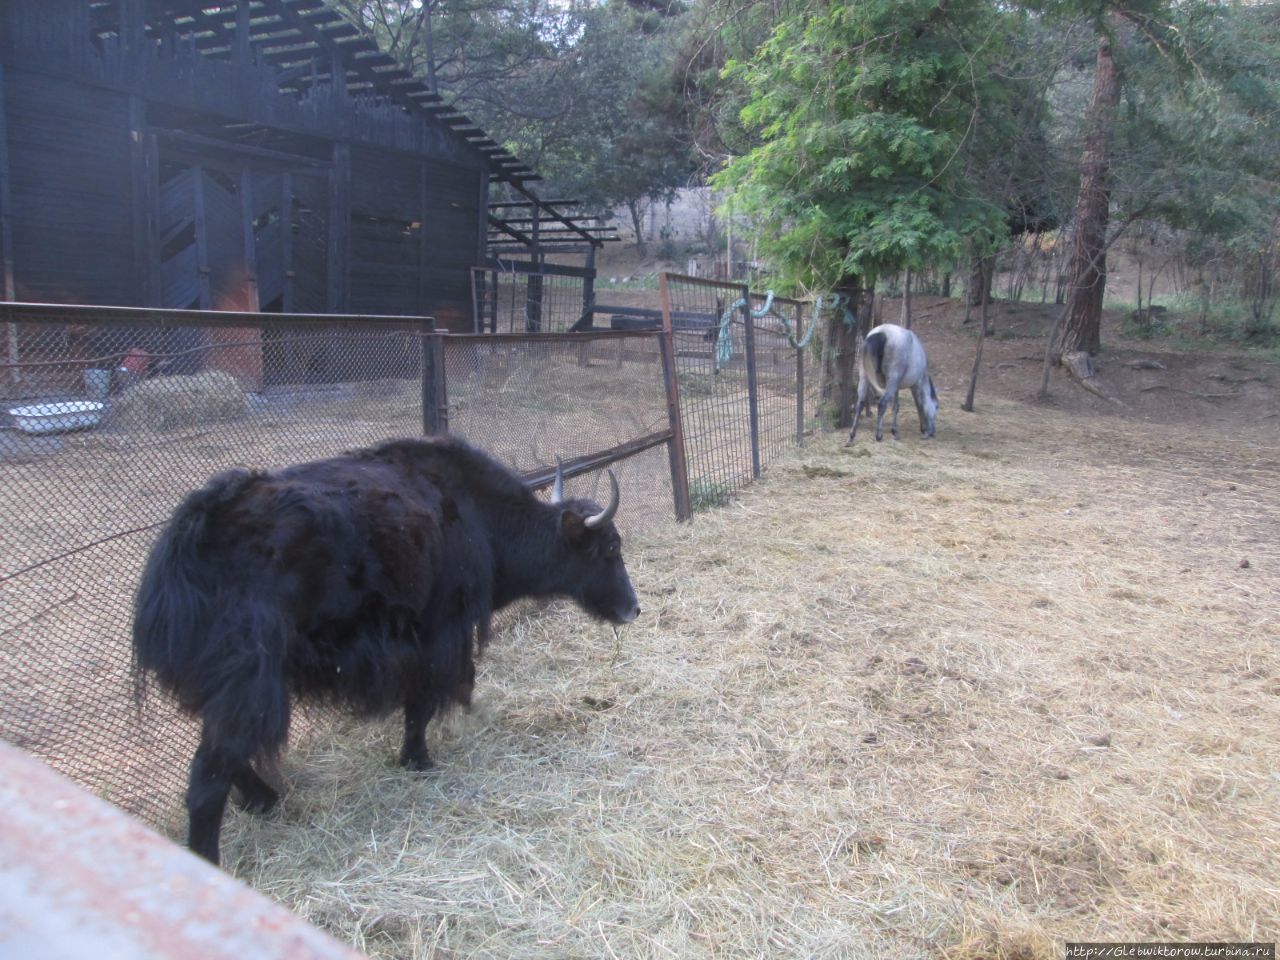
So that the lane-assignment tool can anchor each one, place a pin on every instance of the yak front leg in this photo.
(212, 772)
(418, 710)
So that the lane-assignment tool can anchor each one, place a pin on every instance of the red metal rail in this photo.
(78, 878)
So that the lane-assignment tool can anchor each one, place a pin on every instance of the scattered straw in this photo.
(967, 698)
(163, 403)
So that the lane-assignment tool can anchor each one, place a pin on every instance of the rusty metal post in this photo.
(435, 390)
(753, 391)
(675, 448)
(79, 878)
(798, 327)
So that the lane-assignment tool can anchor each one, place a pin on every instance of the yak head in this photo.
(590, 555)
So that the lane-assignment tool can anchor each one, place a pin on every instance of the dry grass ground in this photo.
(965, 698)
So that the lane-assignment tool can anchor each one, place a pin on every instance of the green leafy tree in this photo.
(1178, 130)
(580, 92)
(861, 117)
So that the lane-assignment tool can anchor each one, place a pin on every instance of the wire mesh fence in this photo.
(519, 297)
(112, 415)
(741, 381)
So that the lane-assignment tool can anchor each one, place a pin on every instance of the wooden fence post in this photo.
(8, 284)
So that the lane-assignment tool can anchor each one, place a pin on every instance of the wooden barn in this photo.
(244, 154)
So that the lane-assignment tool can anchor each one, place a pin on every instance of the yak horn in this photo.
(557, 491)
(604, 516)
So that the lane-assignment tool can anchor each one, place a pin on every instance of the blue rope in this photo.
(841, 301)
(724, 340)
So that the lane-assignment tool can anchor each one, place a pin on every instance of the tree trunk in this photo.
(844, 341)
(981, 273)
(967, 406)
(637, 221)
(1087, 270)
(906, 299)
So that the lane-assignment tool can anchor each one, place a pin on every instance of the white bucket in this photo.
(97, 383)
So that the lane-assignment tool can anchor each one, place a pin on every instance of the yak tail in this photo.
(873, 351)
(198, 632)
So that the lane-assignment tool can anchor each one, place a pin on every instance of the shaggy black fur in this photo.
(367, 580)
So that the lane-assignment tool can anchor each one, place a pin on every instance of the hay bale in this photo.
(164, 403)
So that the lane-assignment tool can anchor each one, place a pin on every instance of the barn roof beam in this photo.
(242, 149)
(534, 203)
(575, 218)
(552, 214)
(510, 231)
(292, 34)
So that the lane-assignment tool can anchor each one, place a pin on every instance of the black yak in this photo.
(367, 580)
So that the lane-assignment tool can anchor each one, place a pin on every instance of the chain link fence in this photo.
(112, 415)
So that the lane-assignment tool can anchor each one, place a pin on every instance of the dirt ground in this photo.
(968, 697)
(1213, 390)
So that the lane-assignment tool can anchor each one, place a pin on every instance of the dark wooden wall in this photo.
(117, 189)
(68, 189)
(415, 234)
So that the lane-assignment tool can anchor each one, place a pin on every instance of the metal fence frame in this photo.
(715, 461)
(763, 387)
(53, 611)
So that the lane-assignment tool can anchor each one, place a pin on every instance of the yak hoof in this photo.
(420, 762)
(257, 798)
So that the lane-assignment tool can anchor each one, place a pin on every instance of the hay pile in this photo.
(164, 403)
(969, 698)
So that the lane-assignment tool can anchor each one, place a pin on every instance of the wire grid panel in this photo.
(530, 399)
(109, 425)
(518, 302)
(777, 365)
(715, 404)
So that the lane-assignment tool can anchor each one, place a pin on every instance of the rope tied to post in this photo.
(724, 339)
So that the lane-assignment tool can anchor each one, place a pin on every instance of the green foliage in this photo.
(1191, 324)
(581, 92)
(705, 494)
(860, 114)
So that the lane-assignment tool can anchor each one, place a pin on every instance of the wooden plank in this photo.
(548, 269)
(153, 222)
(8, 285)
(202, 238)
(286, 242)
(250, 239)
(589, 289)
(423, 212)
(141, 203)
(339, 241)
(243, 50)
